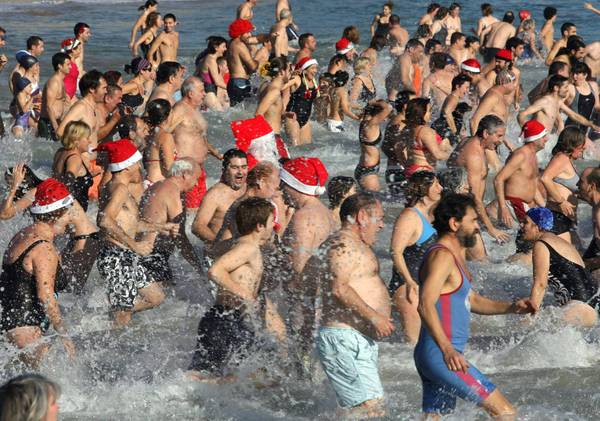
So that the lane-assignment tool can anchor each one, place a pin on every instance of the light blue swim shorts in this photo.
(349, 360)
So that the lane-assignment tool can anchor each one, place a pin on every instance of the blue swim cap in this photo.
(542, 217)
(21, 84)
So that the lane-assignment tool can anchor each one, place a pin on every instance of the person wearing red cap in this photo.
(72, 47)
(496, 36)
(303, 91)
(503, 60)
(547, 109)
(345, 47)
(29, 274)
(218, 199)
(479, 85)
(240, 61)
(130, 288)
(356, 308)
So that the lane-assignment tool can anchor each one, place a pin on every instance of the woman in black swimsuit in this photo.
(363, 88)
(381, 23)
(557, 262)
(70, 166)
(303, 91)
(29, 271)
(153, 24)
(138, 88)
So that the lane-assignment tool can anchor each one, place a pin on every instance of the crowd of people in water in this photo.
(288, 265)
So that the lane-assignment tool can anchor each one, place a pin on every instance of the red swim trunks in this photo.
(193, 198)
(520, 208)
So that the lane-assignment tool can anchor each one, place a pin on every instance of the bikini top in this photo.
(367, 142)
(418, 146)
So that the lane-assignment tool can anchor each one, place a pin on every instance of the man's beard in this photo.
(467, 240)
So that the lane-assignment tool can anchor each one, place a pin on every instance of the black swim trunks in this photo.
(157, 265)
(361, 171)
(238, 90)
(224, 340)
(124, 275)
(45, 129)
(489, 54)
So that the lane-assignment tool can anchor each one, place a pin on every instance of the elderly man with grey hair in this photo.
(162, 203)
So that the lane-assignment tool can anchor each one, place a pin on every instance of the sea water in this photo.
(548, 370)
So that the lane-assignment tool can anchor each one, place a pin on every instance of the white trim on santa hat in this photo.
(59, 204)
(535, 136)
(470, 69)
(294, 183)
(308, 63)
(349, 48)
(119, 166)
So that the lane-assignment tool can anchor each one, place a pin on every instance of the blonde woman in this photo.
(363, 88)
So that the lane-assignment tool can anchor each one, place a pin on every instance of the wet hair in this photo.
(181, 167)
(29, 182)
(556, 67)
(418, 187)
(575, 43)
(389, 5)
(34, 41)
(509, 17)
(231, 154)
(340, 78)
(486, 9)
(188, 85)
(360, 64)
(79, 28)
(275, 66)
(157, 112)
(2, 30)
(438, 61)
(471, 39)
(152, 19)
(394, 20)
(514, 42)
(416, 109)
(594, 178)
(441, 13)
(454, 6)
(49, 217)
(260, 171)
(213, 42)
(569, 139)
(504, 77)
(459, 80)
(112, 77)
(132, 68)
(303, 39)
(166, 70)
(337, 188)
(402, 99)
(550, 12)
(74, 132)
(112, 89)
(489, 123)
(336, 59)
(566, 27)
(423, 31)
(453, 180)
(351, 34)
(555, 81)
(581, 68)
(170, 16)
(528, 24)
(430, 45)
(353, 204)
(456, 36)
(371, 110)
(90, 80)
(126, 125)
(148, 4)
(451, 206)
(59, 59)
(413, 43)
(27, 397)
(432, 7)
(251, 213)
(378, 42)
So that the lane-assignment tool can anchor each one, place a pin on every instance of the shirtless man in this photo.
(567, 29)
(226, 330)
(438, 85)
(211, 213)
(162, 204)
(169, 78)
(308, 45)
(457, 47)
(240, 61)
(470, 155)
(398, 36)
(93, 90)
(190, 136)
(245, 10)
(502, 61)
(499, 33)
(446, 284)
(270, 98)
(406, 71)
(547, 109)
(356, 308)
(108, 113)
(279, 39)
(83, 33)
(54, 98)
(494, 101)
(167, 43)
(547, 31)
(130, 287)
(35, 47)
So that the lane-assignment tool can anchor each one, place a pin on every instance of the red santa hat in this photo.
(69, 44)
(307, 175)
(524, 14)
(256, 137)
(50, 195)
(533, 130)
(504, 54)
(471, 65)
(305, 63)
(239, 27)
(121, 154)
(343, 46)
